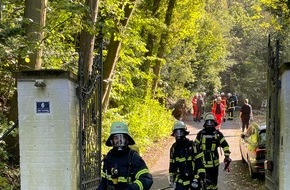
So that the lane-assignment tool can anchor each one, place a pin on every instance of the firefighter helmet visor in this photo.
(119, 128)
(210, 123)
(119, 141)
(179, 133)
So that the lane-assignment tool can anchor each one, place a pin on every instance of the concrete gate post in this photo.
(48, 130)
(284, 159)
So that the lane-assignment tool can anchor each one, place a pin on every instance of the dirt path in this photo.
(236, 179)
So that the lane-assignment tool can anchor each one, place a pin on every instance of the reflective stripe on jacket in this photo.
(132, 171)
(209, 141)
(186, 162)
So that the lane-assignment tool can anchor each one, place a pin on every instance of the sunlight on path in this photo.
(159, 170)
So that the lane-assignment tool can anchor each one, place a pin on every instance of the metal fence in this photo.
(90, 98)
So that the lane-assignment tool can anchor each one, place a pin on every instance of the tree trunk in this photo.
(162, 45)
(87, 39)
(113, 54)
(151, 43)
(36, 12)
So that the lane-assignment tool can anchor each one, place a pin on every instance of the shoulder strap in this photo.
(131, 155)
(194, 148)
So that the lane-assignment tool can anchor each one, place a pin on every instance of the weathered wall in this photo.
(284, 162)
(48, 136)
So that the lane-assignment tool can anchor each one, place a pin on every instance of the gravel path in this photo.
(236, 179)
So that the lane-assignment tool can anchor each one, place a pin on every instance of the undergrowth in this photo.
(148, 122)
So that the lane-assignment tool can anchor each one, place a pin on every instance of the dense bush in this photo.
(148, 122)
(9, 173)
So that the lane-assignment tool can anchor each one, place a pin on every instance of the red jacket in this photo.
(213, 109)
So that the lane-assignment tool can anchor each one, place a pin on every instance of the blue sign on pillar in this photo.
(43, 107)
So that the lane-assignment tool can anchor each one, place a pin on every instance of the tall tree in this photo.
(35, 15)
(87, 37)
(114, 48)
(152, 40)
(162, 44)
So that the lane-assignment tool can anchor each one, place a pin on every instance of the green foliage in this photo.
(212, 46)
(148, 122)
(64, 24)
(247, 76)
(9, 175)
(12, 39)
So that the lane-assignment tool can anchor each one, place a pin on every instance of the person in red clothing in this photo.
(194, 106)
(224, 101)
(218, 110)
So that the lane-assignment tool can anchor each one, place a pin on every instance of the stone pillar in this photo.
(48, 130)
(284, 162)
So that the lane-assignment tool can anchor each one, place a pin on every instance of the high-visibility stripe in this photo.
(200, 155)
(201, 170)
(212, 187)
(226, 148)
(139, 183)
(120, 178)
(187, 182)
(197, 141)
(213, 147)
(183, 159)
(141, 172)
(209, 164)
(123, 179)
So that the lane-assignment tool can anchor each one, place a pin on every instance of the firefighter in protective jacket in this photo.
(123, 168)
(186, 160)
(209, 139)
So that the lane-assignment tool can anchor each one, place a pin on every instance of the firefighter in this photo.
(218, 111)
(235, 98)
(123, 168)
(209, 139)
(186, 160)
(231, 106)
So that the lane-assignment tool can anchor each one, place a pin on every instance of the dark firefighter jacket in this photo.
(186, 162)
(125, 171)
(231, 103)
(209, 141)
